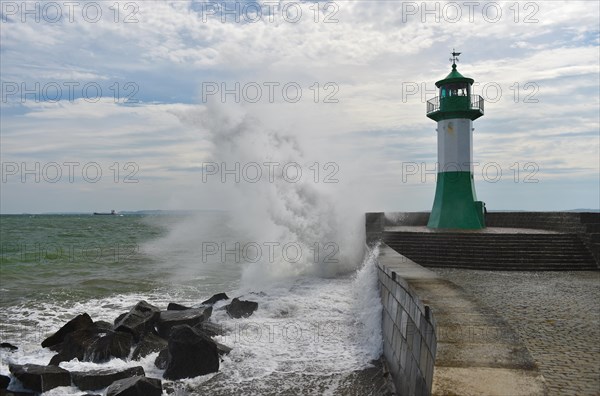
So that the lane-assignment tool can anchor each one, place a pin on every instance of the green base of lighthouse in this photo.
(455, 204)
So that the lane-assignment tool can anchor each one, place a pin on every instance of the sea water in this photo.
(313, 330)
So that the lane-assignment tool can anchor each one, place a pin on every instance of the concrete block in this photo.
(410, 333)
(423, 356)
(397, 343)
(404, 323)
(416, 346)
(403, 353)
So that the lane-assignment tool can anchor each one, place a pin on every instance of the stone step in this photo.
(501, 248)
(592, 228)
(516, 258)
(523, 251)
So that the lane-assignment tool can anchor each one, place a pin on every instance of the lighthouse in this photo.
(455, 204)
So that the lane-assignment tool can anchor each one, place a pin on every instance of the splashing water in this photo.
(285, 226)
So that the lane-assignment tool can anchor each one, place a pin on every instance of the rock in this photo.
(40, 378)
(210, 329)
(10, 347)
(4, 381)
(223, 349)
(190, 317)
(191, 354)
(139, 320)
(100, 379)
(215, 298)
(4, 392)
(75, 344)
(176, 307)
(147, 345)
(102, 325)
(119, 318)
(79, 322)
(93, 345)
(162, 358)
(115, 344)
(240, 308)
(135, 386)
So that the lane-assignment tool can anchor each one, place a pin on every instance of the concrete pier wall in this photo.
(409, 329)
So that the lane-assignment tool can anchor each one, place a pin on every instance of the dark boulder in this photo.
(114, 344)
(147, 345)
(176, 307)
(210, 329)
(93, 345)
(135, 386)
(223, 349)
(162, 358)
(190, 317)
(215, 298)
(75, 344)
(4, 392)
(9, 346)
(119, 318)
(4, 381)
(79, 322)
(191, 354)
(240, 308)
(40, 378)
(103, 325)
(139, 320)
(100, 379)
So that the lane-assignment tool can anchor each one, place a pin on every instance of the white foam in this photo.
(314, 326)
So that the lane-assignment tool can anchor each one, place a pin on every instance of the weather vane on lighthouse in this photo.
(454, 58)
(455, 204)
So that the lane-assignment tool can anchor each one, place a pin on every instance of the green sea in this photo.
(310, 333)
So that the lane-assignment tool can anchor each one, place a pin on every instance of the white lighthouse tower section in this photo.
(455, 145)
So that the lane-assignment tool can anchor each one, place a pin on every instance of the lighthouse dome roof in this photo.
(454, 77)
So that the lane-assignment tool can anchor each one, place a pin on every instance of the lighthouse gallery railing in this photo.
(433, 105)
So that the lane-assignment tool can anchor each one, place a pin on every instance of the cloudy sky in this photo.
(125, 105)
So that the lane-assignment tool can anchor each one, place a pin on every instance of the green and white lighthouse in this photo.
(455, 109)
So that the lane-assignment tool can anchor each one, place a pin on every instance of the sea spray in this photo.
(280, 227)
(368, 303)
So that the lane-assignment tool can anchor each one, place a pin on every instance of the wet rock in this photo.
(176, 307)
(115, 344)
(191, 354)
(103, 325)
(215, 298)
(75, 344)
(135, 386)
(162, 358)
(119, 318)
(79, 322)
(4, 392)
(240, 308)
(9, 346)
(190, 317)
(149, 344)
(4, 381)
(99, 379)
(210, 329)
(40, 378)
(139, 320)
(93, 345)
(223, 349)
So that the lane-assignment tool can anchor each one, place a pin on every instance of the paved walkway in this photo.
(477, 352)
(487, 230)
(556, 314)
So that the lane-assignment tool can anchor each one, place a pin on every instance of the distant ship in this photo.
(112, 213)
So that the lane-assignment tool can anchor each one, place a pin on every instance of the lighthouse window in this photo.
(455, 90)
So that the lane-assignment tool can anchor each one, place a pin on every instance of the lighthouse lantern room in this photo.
(455, 205)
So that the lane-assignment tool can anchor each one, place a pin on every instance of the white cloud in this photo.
(374, 51)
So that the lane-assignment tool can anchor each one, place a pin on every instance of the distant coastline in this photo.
(188, 212)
